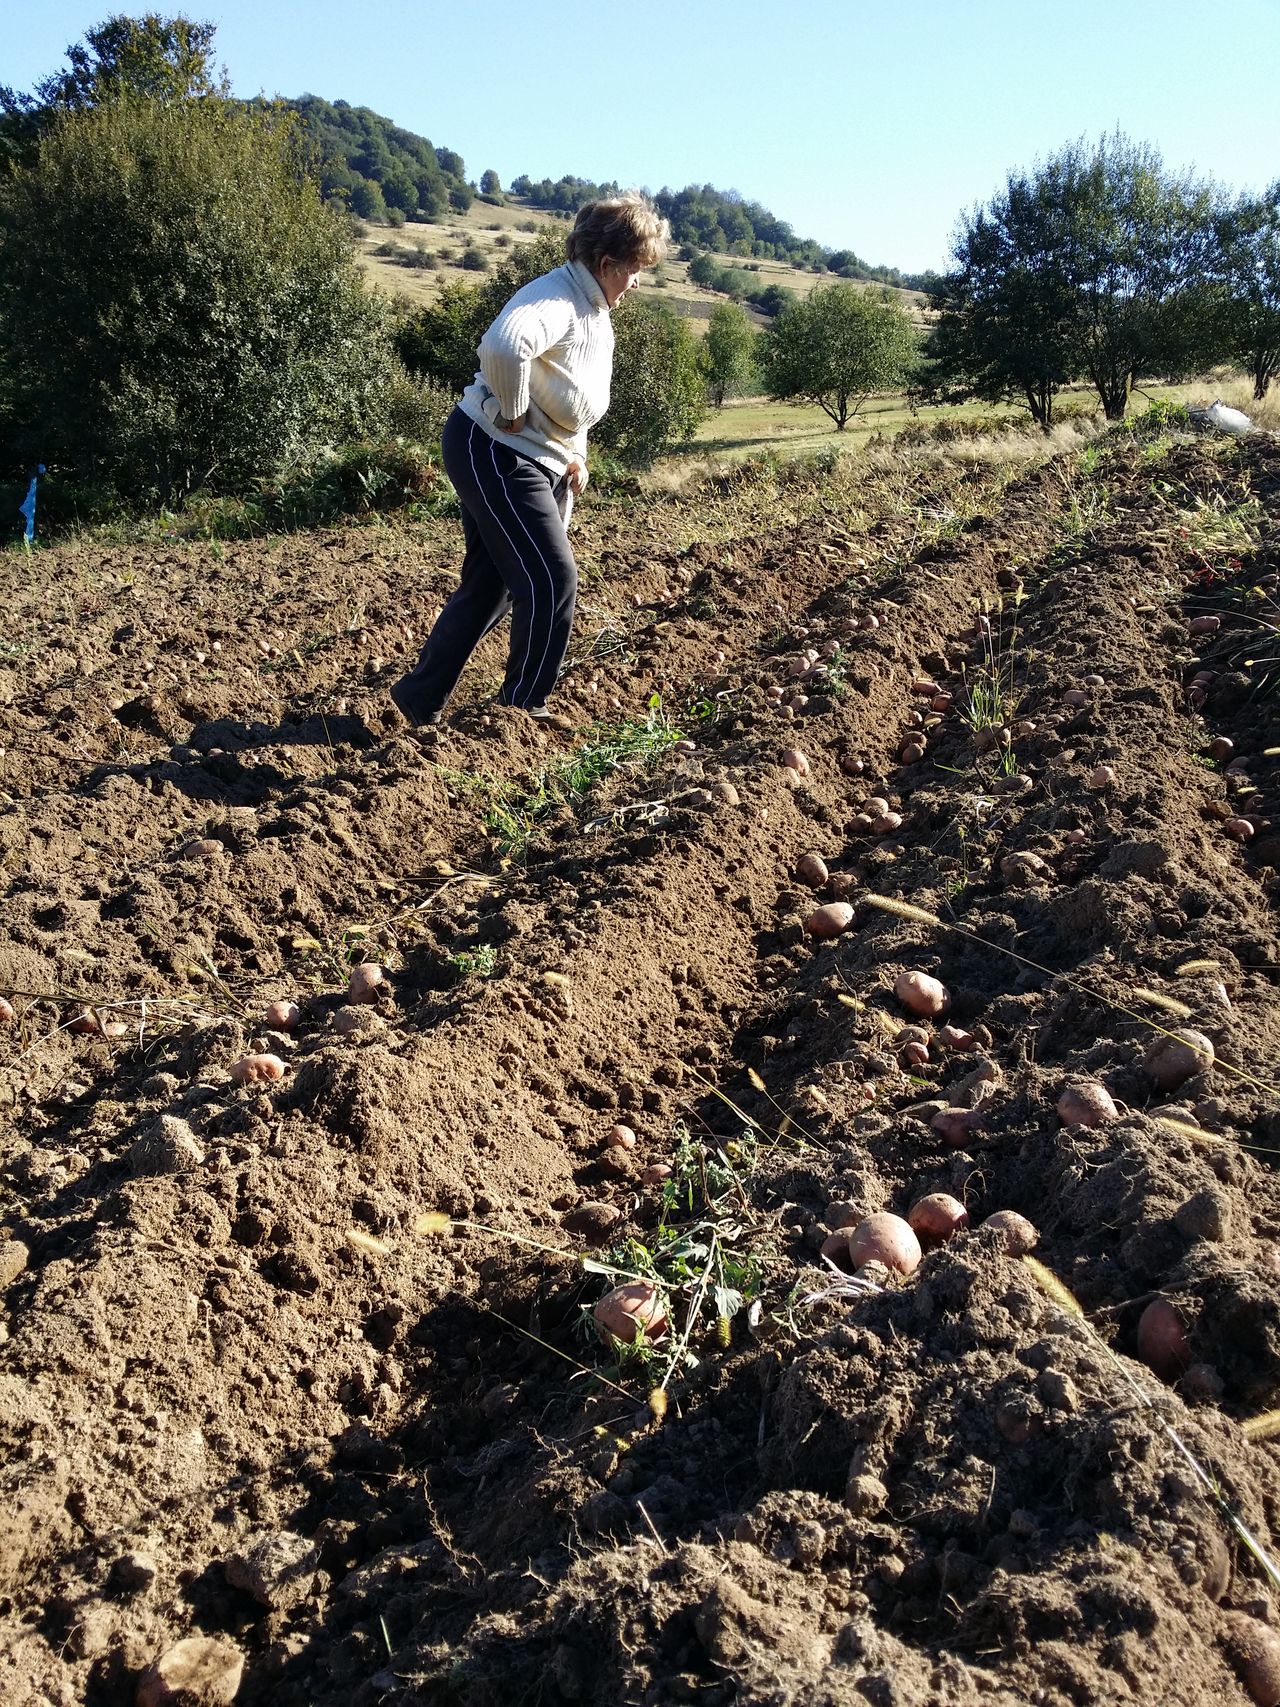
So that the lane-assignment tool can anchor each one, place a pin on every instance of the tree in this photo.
(1249, 241)
(180, 306)
(161, 59)
(490, 183)
(658, 396)
(1006, 312)
(836, 348)
(1098, 263)
(728, 352)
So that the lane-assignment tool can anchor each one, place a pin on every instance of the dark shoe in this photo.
(409, 708)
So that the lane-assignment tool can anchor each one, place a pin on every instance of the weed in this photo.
(513, 818)
(479, 962)
(711, 1258)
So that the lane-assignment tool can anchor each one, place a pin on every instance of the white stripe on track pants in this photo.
(517, 559)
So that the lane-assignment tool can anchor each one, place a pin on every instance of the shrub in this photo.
(182, 308)
(474, 260)
(416, 408)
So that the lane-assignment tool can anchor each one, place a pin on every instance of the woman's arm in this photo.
(522, 332)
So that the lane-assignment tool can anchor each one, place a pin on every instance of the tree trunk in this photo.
(1263, 369)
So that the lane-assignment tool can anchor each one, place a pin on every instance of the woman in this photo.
(515, 449)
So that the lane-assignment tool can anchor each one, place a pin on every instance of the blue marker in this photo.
(28, 506)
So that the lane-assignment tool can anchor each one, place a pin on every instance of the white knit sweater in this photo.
(548, 356)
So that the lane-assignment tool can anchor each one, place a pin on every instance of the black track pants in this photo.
(517, 559)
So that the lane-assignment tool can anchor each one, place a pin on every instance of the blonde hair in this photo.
(624, 228)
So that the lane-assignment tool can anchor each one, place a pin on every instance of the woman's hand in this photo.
(576, 475)
(501, 422)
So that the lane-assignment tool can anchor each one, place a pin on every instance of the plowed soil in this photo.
(248, 1394)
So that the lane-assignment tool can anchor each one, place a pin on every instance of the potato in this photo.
(84, 1023)
(282, 1015)
(1177, 1056)
(876, 807)
(911, 754)
(1075, 698)
(852, 766)
(811, 868)
(937, 1218)
(656, 1174)
(794, 760)
(957, 1125)
(636, 1306)
(1086, 1103)
(1017, 1234)
(620, 1137)
(926, 689)
(1162, 1340)
(1240, 828)
(1254, 1651)
(7, 1013)
(869, 623)
(1204, 625)
(1221, 747)
(206, 848)
(887, 1239)
(914, 1055)
(955, 1037)
(921, 994)
(367, 982)
(941, 702)
(830, 921)
(257, 1069)
(886, 823)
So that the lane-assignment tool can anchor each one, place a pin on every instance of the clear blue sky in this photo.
(867, 126)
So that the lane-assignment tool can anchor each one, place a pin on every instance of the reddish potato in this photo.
(1086, 1104)
(7, 1013)
(852, 766)
(921, 994)
(1204, 625)
(1017, 1234)
(1162, 1340)
(635, 1307)
(656, 1174)
(887, 1239)
(1075, 697)
(794, 760)
(811, 868)
(1239, 828)
(366, 983)
(955, 1037)
(620, 1138)
(869, 623)
(911, 754)
(257, 1069)
(914, 1055)
(1177, 1056)
(207, 848)
(957, 1125)
(886, 823)
(1254, 1651)
(1221, 747)
(1101, 776)
(937, 1218)
(876, 807)
(830, 921)
(282, 1015)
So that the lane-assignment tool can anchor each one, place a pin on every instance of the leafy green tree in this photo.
(490, 183)
(836, 349)
(1097, 264)
(729, 352)
(182, 309)
(1249, 312)
(658, 395)
(1006, 323)
(162, 59)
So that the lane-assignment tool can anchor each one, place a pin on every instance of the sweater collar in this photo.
(589, 284)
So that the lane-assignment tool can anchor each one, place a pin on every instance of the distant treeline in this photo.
(720, 222)
(377, 169)
(381, 171)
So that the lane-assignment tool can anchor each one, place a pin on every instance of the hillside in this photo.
(298, 1362)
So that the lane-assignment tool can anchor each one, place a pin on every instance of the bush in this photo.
(182, 308)
(396, 217)
(416, 409)
(658, 396)
(474, 260)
